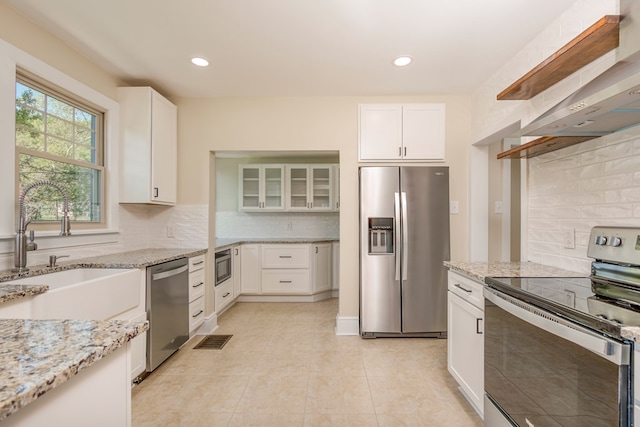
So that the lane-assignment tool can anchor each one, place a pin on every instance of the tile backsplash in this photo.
(593, 183)
(297, 225)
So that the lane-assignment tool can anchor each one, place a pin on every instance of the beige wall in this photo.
(27, 36)
(317, 123)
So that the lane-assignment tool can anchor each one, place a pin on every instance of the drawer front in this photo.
(196, 284)
(286, 282)
(196, 313)
(224, 294)
(196, 263)
(467, 289)
(285, 256)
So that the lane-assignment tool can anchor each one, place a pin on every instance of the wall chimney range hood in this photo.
(610, 102)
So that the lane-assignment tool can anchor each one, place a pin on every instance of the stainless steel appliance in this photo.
(404, 239)
(167, 310)
(554, 350)
(223, 266)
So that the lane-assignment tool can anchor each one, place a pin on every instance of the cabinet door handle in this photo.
(156, 192)
(285, 281)
(198, 285)
(285, 256)
(197, 314)
(459, 286)
(399, 151)
(236, 251)
(405, 151)
(316, 249)
(478, 329)
(226, 295)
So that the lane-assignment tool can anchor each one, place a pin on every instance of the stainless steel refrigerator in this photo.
(404, 239)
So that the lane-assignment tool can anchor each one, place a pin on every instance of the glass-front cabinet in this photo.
(310, 187)
(261, 187)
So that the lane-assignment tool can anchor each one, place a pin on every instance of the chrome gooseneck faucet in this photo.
(22, 247)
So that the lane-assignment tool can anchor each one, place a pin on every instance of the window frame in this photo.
(49, 90)
(12, 59)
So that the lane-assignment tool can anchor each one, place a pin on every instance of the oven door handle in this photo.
(613, 351)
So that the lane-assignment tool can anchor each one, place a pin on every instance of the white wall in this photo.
(300, 124)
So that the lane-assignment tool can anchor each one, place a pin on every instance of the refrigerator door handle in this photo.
(405, 237)
(397, 234)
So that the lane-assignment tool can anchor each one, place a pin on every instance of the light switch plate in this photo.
(498, 207)
(454, 207)
(569, 238)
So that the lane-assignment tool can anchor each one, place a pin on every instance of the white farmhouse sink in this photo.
(85, 293)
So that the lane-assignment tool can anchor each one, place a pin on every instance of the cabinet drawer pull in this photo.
(459, 286)
(285, 256)
(198, 314)
(198, 285)
(198, 263)
(478, 323)
(226, 295)
(285, 281)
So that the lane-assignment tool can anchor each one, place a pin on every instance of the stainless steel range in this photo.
(555, 354)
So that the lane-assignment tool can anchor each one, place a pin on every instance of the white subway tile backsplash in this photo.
(281, 224)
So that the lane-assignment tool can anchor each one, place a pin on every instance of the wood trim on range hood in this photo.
(543, 145)
(592, 43)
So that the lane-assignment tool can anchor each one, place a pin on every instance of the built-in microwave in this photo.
(223, 266)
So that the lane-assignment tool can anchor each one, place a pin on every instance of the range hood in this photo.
(607, 104)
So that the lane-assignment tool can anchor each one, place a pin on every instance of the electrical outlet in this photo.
(569, 238)
(171, 231)
(454, 207)
(498, 207)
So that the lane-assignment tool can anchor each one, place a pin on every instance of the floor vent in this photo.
(213, 342)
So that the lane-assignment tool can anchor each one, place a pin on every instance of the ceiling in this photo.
(297, 47)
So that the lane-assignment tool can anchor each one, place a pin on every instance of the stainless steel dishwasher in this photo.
(167, 310)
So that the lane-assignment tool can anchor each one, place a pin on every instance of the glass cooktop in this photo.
(575, 298)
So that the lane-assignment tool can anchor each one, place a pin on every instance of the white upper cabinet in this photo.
(310, 187)
(149, 147)
(261, 187)
(413, 132)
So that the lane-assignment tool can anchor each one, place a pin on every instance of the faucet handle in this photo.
(54, 258)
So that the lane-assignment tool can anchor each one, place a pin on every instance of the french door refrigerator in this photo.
(404, 239)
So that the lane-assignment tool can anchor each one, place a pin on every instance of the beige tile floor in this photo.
(284, 366)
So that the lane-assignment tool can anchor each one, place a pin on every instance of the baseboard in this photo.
(347, 325)
(209, 325)
(285, 298)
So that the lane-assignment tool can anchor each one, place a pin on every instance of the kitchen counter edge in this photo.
(59, 357)
(224, 243)
(480, 270)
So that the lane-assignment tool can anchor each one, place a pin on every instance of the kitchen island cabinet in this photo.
(68, 373)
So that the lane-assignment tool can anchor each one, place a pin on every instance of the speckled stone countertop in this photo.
(224, 243)
(480, 270)
(133, 259)
(39, 355)
(632, 333)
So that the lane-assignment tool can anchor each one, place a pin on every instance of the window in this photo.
(60, 139)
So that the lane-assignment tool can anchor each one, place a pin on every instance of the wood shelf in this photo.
(592, 43)
(543, 145)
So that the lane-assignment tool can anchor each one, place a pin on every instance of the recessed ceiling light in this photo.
(401, 61)
(200, 62)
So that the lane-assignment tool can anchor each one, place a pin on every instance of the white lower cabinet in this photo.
(293, 281)
(223, 295)
(465, 356)
(321, 267)
(197, 285)
(250, 269)
(236, 265)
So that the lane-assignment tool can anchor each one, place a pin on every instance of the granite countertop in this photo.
(224, 243)
(39, 355)
(132, 259)
(631, 332)
(480, 270)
